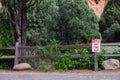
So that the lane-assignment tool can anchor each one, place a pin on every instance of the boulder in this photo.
(111, 64)
(22, 66)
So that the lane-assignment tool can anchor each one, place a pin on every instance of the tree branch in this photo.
(31, 4)
(10, 12)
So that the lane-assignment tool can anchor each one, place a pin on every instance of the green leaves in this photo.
(64, 20)
(112, 33)
(5, 34)
(63, 60)
(110, 18)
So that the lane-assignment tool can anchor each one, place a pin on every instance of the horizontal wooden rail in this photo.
(26, 47)
(111, 55)
(85, 45)
(7, 48)
(7, 57)
(19, 48)
(72, 46)
(110, 44)
(30, 57)
(74, 56)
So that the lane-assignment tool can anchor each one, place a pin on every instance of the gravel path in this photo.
(68, 75)
(57, 77)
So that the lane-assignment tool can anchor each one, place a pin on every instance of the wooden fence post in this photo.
(95, 61)
(16, 53)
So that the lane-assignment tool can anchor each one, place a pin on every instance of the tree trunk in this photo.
(23, 22)
(18, 20)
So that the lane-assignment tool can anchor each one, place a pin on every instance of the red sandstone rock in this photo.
(0, 5)
(97, 8)
(22, 66)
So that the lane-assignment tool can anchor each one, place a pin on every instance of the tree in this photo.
(112, 33)
(40, 20)
(17, 14)
(76, 22)
(110, 16)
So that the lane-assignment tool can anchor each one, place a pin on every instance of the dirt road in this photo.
(68, 75)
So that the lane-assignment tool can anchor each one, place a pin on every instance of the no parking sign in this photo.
(96, 45)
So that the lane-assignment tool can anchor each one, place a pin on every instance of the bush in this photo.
(110, 16)
(65, 20)
(5, 34)
(112, 33)
(65, 62)
(5, 41)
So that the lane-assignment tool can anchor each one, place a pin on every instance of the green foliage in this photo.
(40, 20)
(6, 64)
(76, 22)
(112, 33)
(64, 62)
(110, 16)
(117, 52)
(65, 20)
(53, 50)
(5, 41)
(68, 64)
(40, 64)
(5, 34)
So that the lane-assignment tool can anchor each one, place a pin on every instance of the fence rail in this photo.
(27, 52)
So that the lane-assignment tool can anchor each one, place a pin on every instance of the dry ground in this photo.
(69, 72)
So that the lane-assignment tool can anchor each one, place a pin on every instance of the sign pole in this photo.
(95, 61)
(96, 48)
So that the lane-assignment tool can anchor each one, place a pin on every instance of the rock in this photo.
(0, 5)
(22, 66)
(97, 8)
(111, 64)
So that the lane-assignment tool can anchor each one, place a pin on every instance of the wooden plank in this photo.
(30, 57)
(111, 55)
(72, 46)
(26, 47)
(7, 57)
(7, 48)
(110, 44)
(74, 56)
(76, 46)
(56, 56)
(81, 55)
(85, 45)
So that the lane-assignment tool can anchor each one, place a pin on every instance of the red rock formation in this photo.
(97, 8)
(0, 5)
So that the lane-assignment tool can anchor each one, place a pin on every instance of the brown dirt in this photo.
(97, 8)
(70, 72)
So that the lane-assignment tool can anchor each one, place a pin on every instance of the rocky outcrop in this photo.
(97, 7)
(111, 64)
(22, 66)
(0, 5)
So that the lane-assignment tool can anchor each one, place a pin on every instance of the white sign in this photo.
(96, 45)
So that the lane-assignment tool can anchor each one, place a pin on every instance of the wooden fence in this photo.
(27, 52)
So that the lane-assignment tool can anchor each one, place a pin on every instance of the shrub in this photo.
(64, 62)
(5, 41)
(112, 33)
(110, 16)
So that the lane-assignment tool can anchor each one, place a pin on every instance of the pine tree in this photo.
(76, 22)
(111, 15)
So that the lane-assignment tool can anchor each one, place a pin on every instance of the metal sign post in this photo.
(96, 48)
